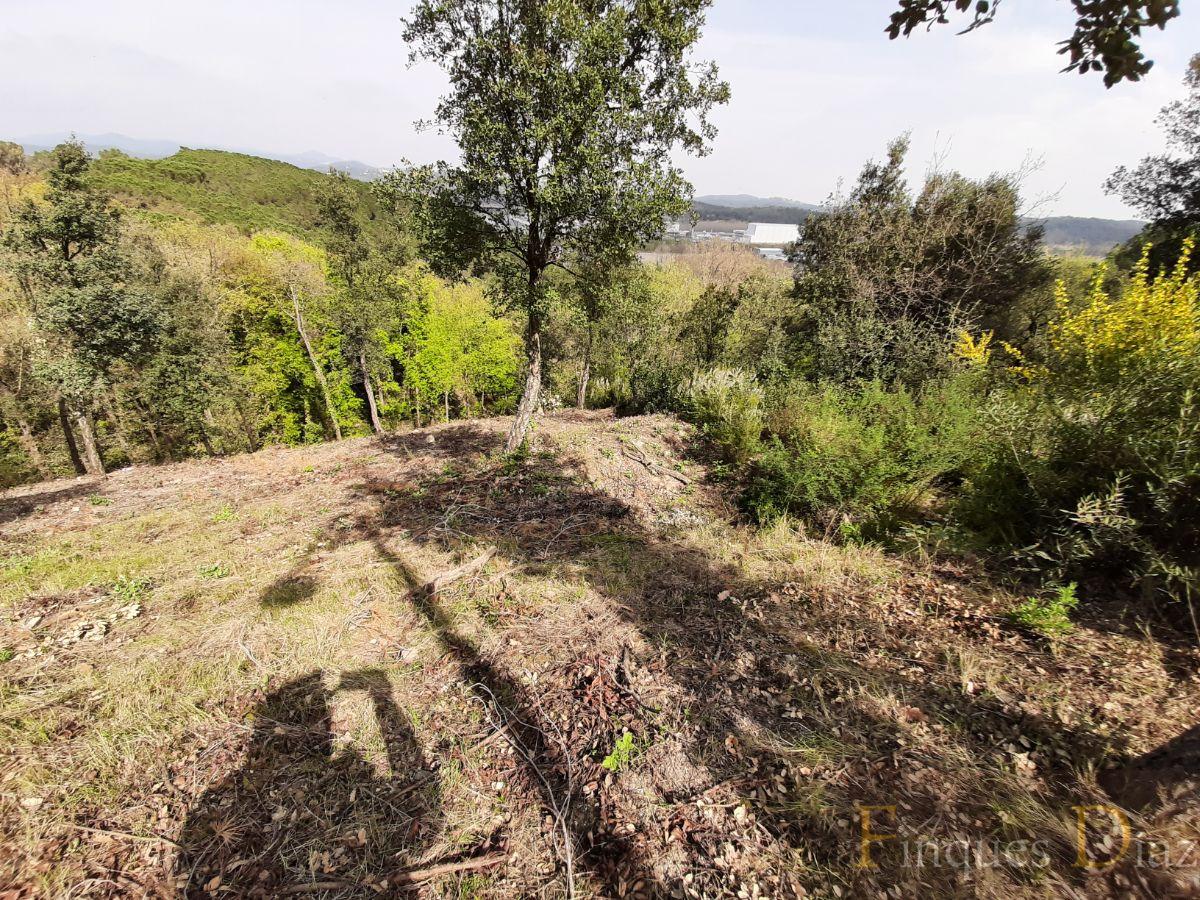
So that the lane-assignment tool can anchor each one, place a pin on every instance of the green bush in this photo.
(1048, 615)
(859, 459)
(1093, 456)
(728, 405)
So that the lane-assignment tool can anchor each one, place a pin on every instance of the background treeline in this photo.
(211, 303)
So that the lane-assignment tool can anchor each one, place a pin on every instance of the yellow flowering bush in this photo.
(1113, 337)
(1094, 457)
(976, 352)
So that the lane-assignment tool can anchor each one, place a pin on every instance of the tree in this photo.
(1105, 37)
(81, 288)
(600, 291)
(17, 348)
(363, 269)
(1165, 188)
(298, 270)
(565, 114)
(12, 158)
(888, 279)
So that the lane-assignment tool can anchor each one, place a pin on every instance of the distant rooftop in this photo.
(771, 233)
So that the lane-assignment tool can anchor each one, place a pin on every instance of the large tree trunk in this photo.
(533, 386)
(376, 424)
(585, 372)
(316, 366)
(92, 463)
(69, 437)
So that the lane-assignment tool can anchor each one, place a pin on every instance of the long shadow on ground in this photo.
(297, 803)
(790, 725)
(732, 663)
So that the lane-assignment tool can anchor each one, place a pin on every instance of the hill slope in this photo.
(217, 186)
(366, 666)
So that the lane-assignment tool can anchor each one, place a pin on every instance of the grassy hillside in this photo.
(366, 667)
(216, 186)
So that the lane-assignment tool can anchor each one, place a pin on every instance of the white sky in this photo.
(817, 88)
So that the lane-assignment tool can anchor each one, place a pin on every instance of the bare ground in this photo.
(244, 677)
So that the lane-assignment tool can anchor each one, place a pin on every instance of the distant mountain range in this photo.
(1089, 236)
(735, 200)
(152, 148)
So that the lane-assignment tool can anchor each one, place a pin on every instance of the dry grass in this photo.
(224, 679)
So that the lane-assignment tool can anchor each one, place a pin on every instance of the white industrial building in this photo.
(762, 233)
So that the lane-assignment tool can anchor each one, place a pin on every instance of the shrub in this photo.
(864, 458)
(728, 405)
(1047, 615)
(624, 752)
(1095, 457)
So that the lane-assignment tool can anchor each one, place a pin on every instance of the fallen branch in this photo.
(414, 877)
(441, 582)
(152, 838)
(409, 880)
(654, 467)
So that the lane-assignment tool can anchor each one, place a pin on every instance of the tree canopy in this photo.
(1106, 36)
(1165, 187)
(565, 114)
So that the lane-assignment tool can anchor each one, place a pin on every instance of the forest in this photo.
(434, 536)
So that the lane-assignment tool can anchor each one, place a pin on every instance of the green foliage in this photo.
(1094, 452)
(888, 280)
(1051, 615)
(866, 456)
(729, 406)
(1105, 39)
(127, 588)
(565, 115)
(14, 468)
(66, 253)
(456, 346)
(1165, 187)
(624, 753)
(214, 186)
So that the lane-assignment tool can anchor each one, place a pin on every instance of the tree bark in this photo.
(533, 386)
(446, 403)
(316, 366)
(69, 437)
(585, 372)
(92, 463)
(247, 427)
(206, 442)
(376, 424)
(146, 416)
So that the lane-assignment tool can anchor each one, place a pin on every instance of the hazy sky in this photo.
(817, 88)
